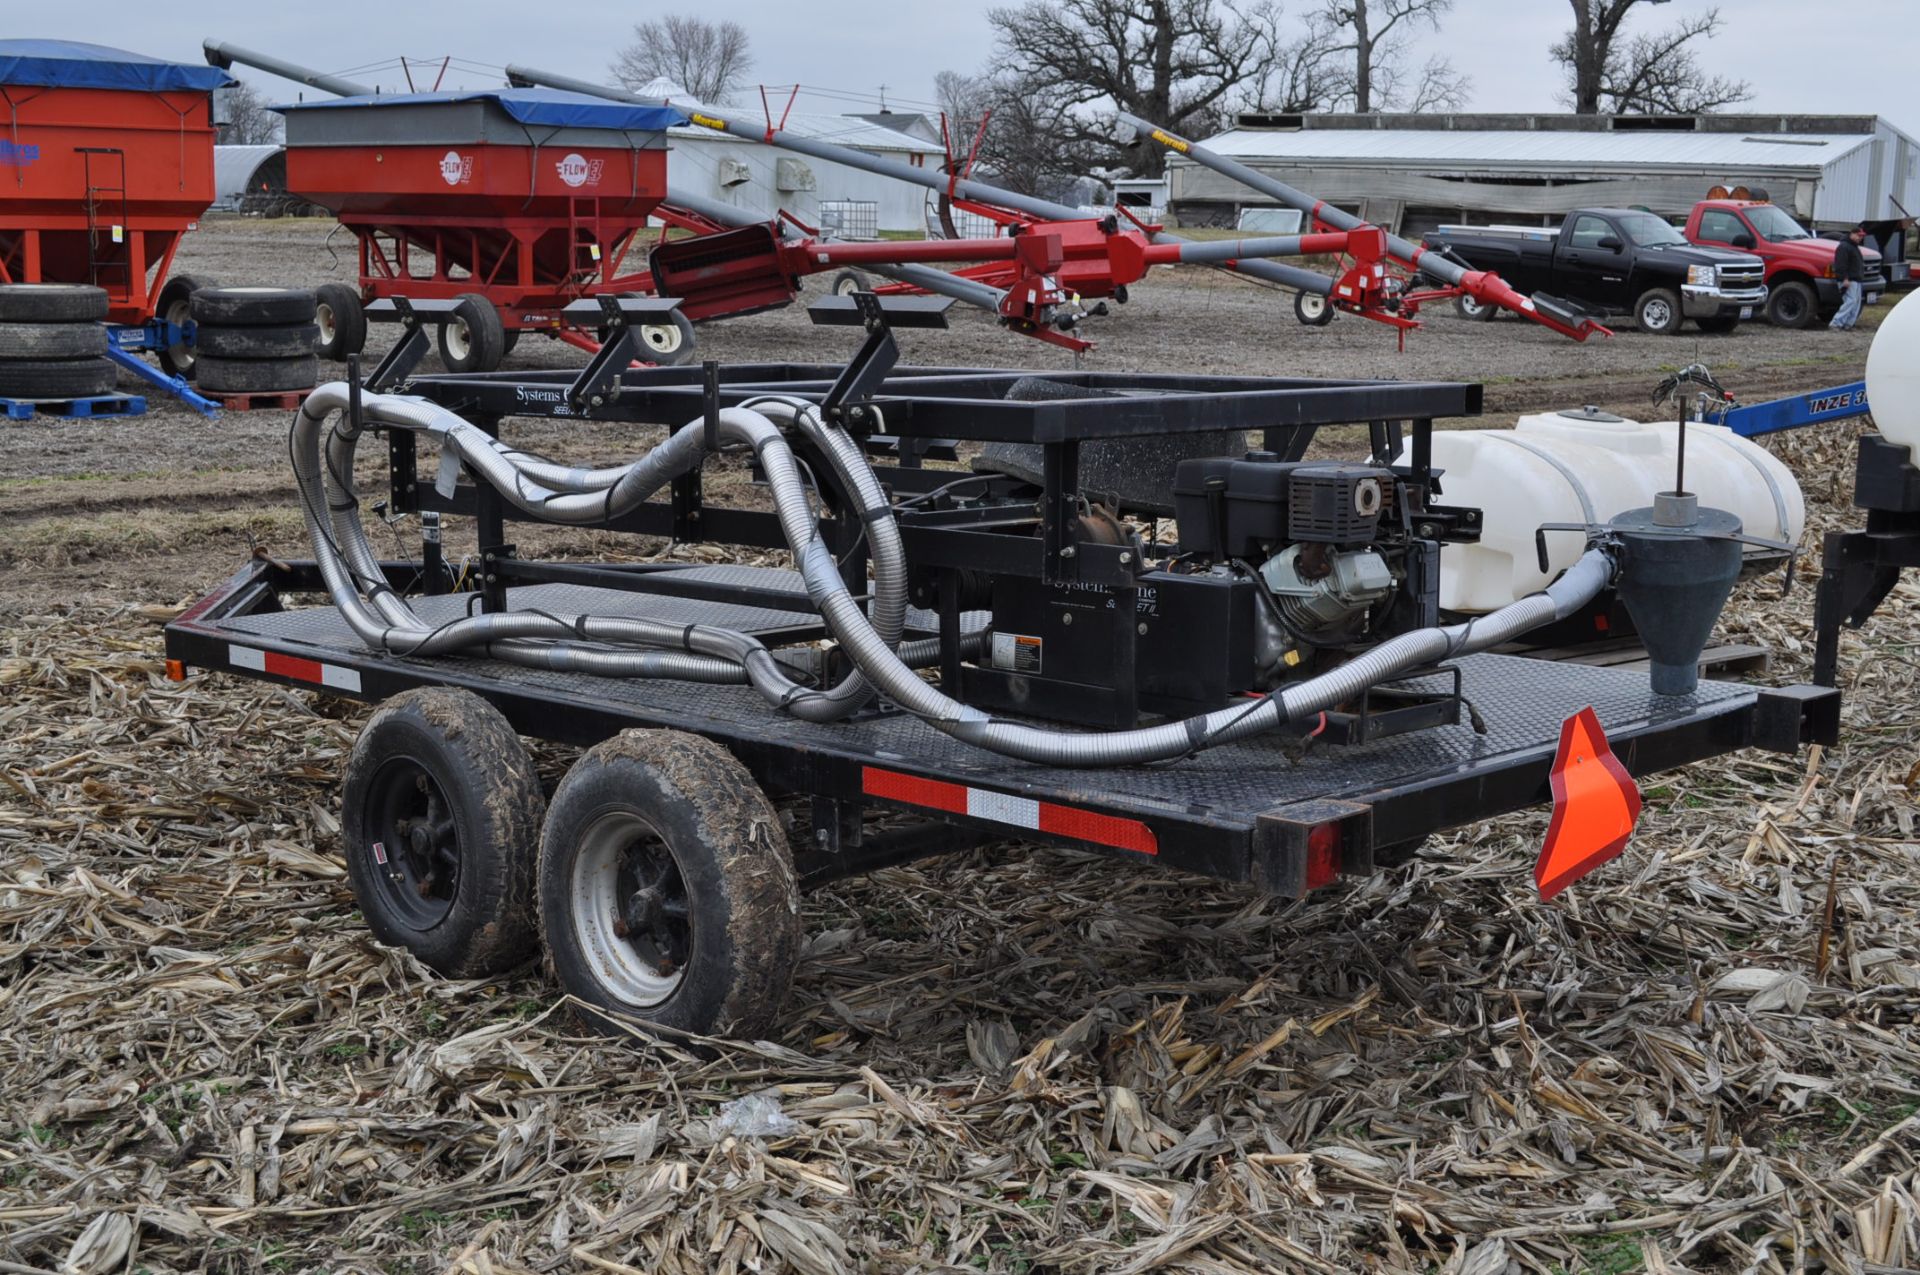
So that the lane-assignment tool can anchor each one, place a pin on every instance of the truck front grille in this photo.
(1741, 278)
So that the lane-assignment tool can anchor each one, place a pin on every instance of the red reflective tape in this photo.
(913, 790)
(1323, 864)
(1102, 830)
(293, 666)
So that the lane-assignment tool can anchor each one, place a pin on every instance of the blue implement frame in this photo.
(1841, 402)
(156, 334)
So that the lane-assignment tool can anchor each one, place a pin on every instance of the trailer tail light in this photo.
(1301, 847)
(1323, 855)
(176, 671)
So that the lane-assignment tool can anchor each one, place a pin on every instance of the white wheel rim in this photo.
(1312, 305)
(323, 318)
(1470, 305)
(848, 287)
(613, 957)
(662, 338)
(459, 341)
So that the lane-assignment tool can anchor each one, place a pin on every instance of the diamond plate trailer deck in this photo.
(1273, 811)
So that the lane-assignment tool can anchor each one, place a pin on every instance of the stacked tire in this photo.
(52, 344)
(255, 340)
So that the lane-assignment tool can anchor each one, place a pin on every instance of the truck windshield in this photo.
(1649, 231)
(1775, 226)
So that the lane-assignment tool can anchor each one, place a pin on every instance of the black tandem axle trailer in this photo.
(1470, 739)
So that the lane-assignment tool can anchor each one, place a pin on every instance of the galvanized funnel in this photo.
(1678, 563)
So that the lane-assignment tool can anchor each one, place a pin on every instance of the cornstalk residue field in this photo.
(1706, 1057)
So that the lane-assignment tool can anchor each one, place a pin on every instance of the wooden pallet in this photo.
(1731, 659)
(20, 409)
(258, 401)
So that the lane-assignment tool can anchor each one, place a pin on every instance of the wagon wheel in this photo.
(667, 892)
(175, 306)
(668, 344)
(473, 339)
(440, 816)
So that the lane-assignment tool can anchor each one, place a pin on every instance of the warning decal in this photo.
(1016, 652)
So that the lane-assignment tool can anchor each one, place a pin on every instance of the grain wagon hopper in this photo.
(106, 161)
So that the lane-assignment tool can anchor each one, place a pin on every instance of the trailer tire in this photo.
(1791, 304)
(175, 306)
(848, 282)
(252, 307)
(1658, 312)
(509, 339)
(44, 341)
(473, 339)
(1473, 309)
(52, 303)
(57, 378)
(259, 343)
(667, 891)
(1312, 309)
(667, 344)
(257, 376)
(342, 321)
(447, 759)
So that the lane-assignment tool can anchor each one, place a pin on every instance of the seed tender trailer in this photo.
(1243, 674)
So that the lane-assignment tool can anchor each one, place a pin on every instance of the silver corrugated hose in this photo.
(872, 641)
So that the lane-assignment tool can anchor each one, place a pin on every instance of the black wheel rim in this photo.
(1790, 307)
(631, 912)
(415, 843)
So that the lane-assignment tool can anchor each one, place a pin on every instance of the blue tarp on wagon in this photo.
(69, 64)
(549, 107)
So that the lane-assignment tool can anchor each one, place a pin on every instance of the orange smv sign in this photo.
(1595, 805)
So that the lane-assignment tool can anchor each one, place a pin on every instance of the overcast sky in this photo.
(1857, 56)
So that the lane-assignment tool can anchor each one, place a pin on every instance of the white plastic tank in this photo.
(1585, 466)
(1893, 376)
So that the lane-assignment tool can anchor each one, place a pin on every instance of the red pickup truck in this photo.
(1800, 283)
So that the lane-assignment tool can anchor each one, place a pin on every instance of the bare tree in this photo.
(964, 100)
(1644, 74)
(1181, 63)
(250, 121)
(1031, 142)
(705, 58)
(1373, 38)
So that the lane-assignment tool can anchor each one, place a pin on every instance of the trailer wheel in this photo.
(1474, 309)
(473, 339)
(440, 820)
(1312, 309)
(848, 282)
(668, 344)
(175, 305)
(57, 378)
(52, 341)
(1658, 312)
(52, 303)
(1791, 304)
(291, 342)
(342, 321)
(258, 376)
(667, 892)
(252, 307)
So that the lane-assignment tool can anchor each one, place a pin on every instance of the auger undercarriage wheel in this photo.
(1312, 309)
(668, 344)
(1472, 308)
(667, 891)
(848, 282)
(440, 820)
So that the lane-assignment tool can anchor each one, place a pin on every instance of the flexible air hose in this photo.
(382, 619)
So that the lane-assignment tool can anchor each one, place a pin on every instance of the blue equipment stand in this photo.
(156, 334)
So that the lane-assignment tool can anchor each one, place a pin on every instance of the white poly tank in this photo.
(1893, 376)
(1586, 466)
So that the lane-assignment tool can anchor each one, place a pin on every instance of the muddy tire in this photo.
(667, 891)
(1658, 312)
(252, 307)
(440, 820)
(57, 379)
(52, 303)
(848, 282)
(342, 321)
(292, 342)
(1474, 309)
(46, 341)
(257, 376)
(473, 339)
(1792, 305)
(175, 305)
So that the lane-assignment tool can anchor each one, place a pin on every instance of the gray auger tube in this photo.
(323, 464)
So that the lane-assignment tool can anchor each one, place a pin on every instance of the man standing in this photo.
(1850, 270)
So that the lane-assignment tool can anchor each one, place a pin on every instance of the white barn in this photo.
(762, 180)
(1413, 172)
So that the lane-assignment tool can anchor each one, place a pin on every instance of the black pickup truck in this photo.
(1614, 261)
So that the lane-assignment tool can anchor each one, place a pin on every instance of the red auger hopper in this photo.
(523, 199)
(105, 161)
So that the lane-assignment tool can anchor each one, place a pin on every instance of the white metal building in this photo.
(1411, 173)
(241, 173)
(762, 179)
